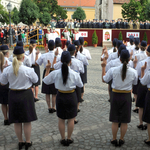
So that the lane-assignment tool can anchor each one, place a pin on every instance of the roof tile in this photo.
(121, 1)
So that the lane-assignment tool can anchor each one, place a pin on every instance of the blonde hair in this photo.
(1, 61)
(16, 63)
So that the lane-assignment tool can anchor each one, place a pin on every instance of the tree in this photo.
(53, 8)
(44, 17)
(147, 11)
(94, 38)
(120, 36)
(4, 15)
(145, 37)
(15, 16)
(79, 14)
(29, 12)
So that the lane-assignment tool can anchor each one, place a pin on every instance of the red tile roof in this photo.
(121, 1)
(77, 3)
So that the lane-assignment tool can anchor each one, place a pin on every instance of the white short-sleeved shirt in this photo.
(82, 58)
(76, 65)
(55, 77)
(140, 56)
(109, 52)
(130, 48)
(86, 53)
(32, 56)
(8, 62)
(26, 61)
(59, 50)
(117, 83)
(26, 76)
(112, 56)
(146, 79)
(45, 57)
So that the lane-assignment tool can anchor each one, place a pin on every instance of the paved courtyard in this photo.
(93, 132)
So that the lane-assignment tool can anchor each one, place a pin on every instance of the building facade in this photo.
(15, 3)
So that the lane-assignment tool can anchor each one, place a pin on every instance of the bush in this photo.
(145, 37)
(120, 36)
(94, 38)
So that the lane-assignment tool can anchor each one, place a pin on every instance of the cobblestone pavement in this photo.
(93, 130)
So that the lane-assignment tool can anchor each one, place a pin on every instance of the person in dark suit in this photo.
(146, 25)
(94, 23)
(124, 24)
(118, 24)
(81, 24)
(113, 26)
(141, 25)
(100, 24)
(110, 24)
(106, 24)
(89, 24)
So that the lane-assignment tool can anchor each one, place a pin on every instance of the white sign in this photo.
(135, 34)
(83, 34)
(107, 35)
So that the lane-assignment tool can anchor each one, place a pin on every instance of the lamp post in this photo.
(9, 7)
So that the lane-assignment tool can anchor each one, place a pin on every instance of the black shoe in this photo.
(76, 121)
(133, 100)
(27, 145)
(140, 127)
(121, 142)
(147, 142)
(6, 122)
(54, 110)
(119, 125)
(36, 99)
(78, 110)
(50, 110)
(109, 100)
(114, 142)
(145, 127)
(136, 110)
(63, 142)
(82, 100)
(21, 144)
(69, 141)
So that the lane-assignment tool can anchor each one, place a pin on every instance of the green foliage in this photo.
(145, 37)
(120, 36)
(134, 10)
(147, 11)
(53, 8)
(29, 12)
(15, 16)
(79, 14)
(94, 38)
(44, 17)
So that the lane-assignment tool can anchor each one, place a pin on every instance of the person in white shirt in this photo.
(48, 89)
(65, 80)
(4, 90)
(58, 46)
(21, 101)
(132, 45)
(123, 77)
(145, 80)
(33, 55)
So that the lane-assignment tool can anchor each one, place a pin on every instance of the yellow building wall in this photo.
(90, 13)
(117, 11)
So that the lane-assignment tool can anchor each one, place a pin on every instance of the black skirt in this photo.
(146, 112)
(48, 89)
(37, 71)
(66, 105)
(120, 111)
(141, 94)
(4, 90)
(78, 92)
(135, 88)
(21, 106)
(84, 75)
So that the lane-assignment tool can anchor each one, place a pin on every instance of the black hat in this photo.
(119, 43)
(115, 41)
(76, 43)
(67, 43)
(131, 37)
(4, 48)
(18, 50)
(71, 47)
(32, 41)
(148, 49)
(19, 43)
(137, 41)
(81, 40)
(51, 43)
(144, 43)
(65, 57)
(122, 46)
(57, 41)
(125, 54)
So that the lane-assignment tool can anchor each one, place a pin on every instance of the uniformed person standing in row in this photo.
(131, 24)
(137, 23)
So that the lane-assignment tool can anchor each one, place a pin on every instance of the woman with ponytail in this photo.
(4, 90)
(65, 80)
(33, 56)
(21, 100)
(123, 77)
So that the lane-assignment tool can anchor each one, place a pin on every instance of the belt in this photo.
(149, 89)
(20, 89)
(52, 69)
(120, 91)
(67, 91)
